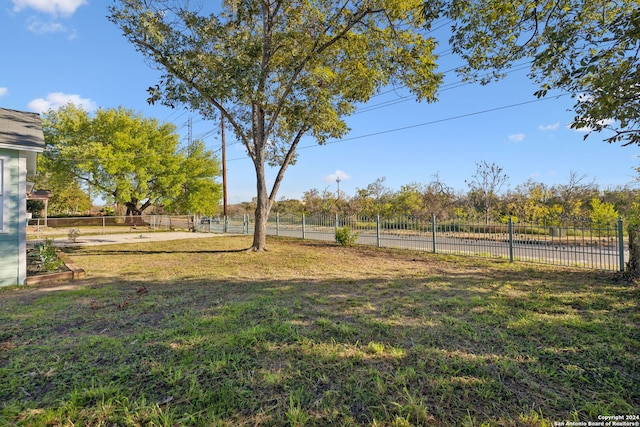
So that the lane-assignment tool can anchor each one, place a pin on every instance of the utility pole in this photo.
(338, 182)
(224, 167)
(189, 136)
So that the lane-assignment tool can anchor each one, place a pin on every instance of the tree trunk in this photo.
(133, 214)
(132, 209)
(263, 207)
(260, 232)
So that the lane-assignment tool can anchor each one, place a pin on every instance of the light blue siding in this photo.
(10, 256)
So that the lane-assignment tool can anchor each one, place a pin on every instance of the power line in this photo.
(380, 132)
(384, 104)
(443, 88)
(432, 122)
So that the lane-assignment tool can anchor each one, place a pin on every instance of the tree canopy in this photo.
(128, 159)
(280, 69)
(587, 48)
(200, 193)
(67, 196)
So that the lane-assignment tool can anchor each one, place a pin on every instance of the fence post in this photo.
(621, 244)
(304, 232)
(433, 231)
(104, 228)
(277, 223)
(378, 240)
(337, 222)
(510, 239)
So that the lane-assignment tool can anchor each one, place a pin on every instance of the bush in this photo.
(48, 257)
(74, 233)
(345, 237)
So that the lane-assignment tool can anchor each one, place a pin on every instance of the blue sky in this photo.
(56, 51)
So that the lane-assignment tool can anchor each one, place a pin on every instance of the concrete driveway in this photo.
(112, 239)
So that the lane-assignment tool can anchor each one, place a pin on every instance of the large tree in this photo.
(588, 48)
(122, 156)
(280, 69)
(200, 193)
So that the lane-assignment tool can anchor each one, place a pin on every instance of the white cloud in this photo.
(545, 128)
(39, 27)
(586, 129)
(55, 100)
(3, 91)
(337, 174)
(52, 7)
(516, 137)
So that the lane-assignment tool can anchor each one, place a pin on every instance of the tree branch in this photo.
(287, 160)
(166, 62)
(316, 49)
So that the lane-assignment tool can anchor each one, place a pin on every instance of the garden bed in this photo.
(65, 269)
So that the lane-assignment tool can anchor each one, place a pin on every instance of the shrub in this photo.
(48, 257)
(345, 237)
(74, 233)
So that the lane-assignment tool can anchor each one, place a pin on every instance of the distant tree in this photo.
(588, 48)
(373, 200)
(289, 206)
(121, 156)
(486, 183)
(69, 200)
(278, 70)
(621, 197)
(529, 201)
(67, 195)
(574, 196)
(408, 201)
(603, 214)
(318, 202)
(438, 198)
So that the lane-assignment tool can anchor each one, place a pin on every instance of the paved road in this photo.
(558, 253)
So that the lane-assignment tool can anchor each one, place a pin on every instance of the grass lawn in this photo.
(202, 333)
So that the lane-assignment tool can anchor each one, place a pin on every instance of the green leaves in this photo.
(124, 157)
(587, 48)
(302, 65)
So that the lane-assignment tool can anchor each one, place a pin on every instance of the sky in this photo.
(59, 51)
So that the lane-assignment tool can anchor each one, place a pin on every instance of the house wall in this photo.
(12, 233)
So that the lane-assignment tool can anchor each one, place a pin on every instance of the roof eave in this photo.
(19, 147)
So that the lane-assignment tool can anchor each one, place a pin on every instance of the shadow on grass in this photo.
(461, 344)
(84, 251)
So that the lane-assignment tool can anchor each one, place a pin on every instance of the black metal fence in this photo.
(568, 243)
(565, 243)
